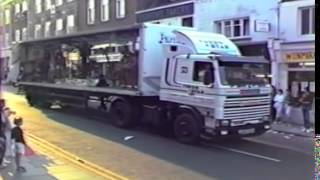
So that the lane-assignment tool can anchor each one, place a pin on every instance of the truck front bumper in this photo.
(240, 131)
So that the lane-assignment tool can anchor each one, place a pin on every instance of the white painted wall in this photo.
(208, 11)
(290, 21)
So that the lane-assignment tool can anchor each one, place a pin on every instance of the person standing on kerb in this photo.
(2, 136)
(19, 143)
(306, 102)
(102, 83)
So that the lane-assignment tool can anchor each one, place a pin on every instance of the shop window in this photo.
(298, 80)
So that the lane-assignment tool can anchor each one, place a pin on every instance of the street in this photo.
(148, 155)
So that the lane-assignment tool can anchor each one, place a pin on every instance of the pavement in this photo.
(46, 166)
(290, 128)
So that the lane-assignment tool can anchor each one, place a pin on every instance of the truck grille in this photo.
(242, 109)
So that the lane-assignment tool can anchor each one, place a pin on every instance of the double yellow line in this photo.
(43, 144)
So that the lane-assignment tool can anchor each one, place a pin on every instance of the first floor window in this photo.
(24, 6)
(105, 10)
(47, 28)
(38, 6)
(59, 24)
(70, 21)
(6, 40)
(24, 34)
(37, 30)
(7, 16)
(17, 35)
(17, 8)
(307, 19)
(233, 28)
(48, 4)
(59, 2)
(90, 11)
(121, 8)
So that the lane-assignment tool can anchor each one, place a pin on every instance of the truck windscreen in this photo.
(243, 73)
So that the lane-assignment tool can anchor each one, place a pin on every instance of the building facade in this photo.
(171, 12)
(294, 51)
(247, 23)
(36, 20)
(6, 39)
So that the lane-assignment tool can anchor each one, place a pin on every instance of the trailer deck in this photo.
(109, 90)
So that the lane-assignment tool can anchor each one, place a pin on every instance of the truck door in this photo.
(197, 79)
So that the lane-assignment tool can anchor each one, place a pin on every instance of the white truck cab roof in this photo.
(225, 58)
(206, 43)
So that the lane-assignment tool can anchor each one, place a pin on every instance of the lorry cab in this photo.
(205, 72)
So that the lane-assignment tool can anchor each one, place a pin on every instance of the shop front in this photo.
(301, 70)
(296, 72)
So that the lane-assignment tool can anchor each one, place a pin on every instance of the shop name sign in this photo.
(181, 10)
(262, 26)
(300, 56)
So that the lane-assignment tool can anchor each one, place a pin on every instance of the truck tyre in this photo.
(122, 114)
(44, 103)
(30, 100)
(187, 128)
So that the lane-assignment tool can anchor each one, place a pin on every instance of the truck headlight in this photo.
(225, 123)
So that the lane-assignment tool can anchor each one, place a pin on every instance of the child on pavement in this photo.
(19, 143)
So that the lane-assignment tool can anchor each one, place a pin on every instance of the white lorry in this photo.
(196, 83)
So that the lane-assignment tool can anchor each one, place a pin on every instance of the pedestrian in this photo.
(279, 105)
(19, 143)
(306, 102)
(7, 126)
(273, 109)
(2, 136)
(102, 83)
(288, 102)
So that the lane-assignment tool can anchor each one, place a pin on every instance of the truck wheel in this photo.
(44, 103)
(122, 114)
(187, 128)
(30, 99)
